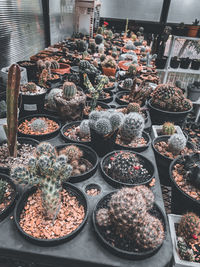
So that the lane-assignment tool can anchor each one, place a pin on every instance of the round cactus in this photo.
(168, 128)
(176, 143)
(72, 152)
(94, 115)
(31, 87)
(132, 70)
(69, 90)
(130, 46)
(47, 64)
(133, 107)
(116, 120)
(38, 125)
(102, 57)
(103, 126)
(127, 83)
(98, 39)
(84, 64)
(132, 126)
(50, 98)
(84, 128)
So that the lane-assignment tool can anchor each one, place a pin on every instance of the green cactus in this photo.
(99, 39)
(168, 128)
(30, 87)
(127, 83)
(84, 128)
(47, 171)
(3, 187)
(103, 126)
(133, 107)
(184, 251)
(116, 120)
(72, 152)
(84, 64)
(69, 90)
(55, 64)
(12, 95)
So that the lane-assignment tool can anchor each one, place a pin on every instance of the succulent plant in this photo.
(45, 170)
(184, 251)
(55, 64)
(103, 126)
(69, 90)
(84, 64)
(132, 126)
(100, 30)
(47, 64)
(84, 128)
(92, 46)
(81, 45)
(99, 39)
(127, 83)
(132, 70)
(109, 62)
(130, 46)
(168, 128)
(141, 29)
(50, 97)
(3, 109)
(38, 125)
(102, 57)
(29, 87)
(116, 120)
(40, 65)
(103, 218)
(176, 143)
(94, 115)
(133, 107)
(72, 152)
(192, 169)
(3, 187)
(189, 226)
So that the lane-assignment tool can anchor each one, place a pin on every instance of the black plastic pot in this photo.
(31, 104)
(31, 69)
(99, 103)
(159, 116)
(119, 95)
(21, 140)
(163, 162)
(40, 137)
(104, 100)
(67, 139)
(185, 62)
(174, 62)
(160, 62)
(139, 148)
(101, 235)
(4, 213)
(49, 242)
(90, 155)
(118, 184)
(180, 201)
(122, 89)
(195, 65)
(194, 91)
(102, 144)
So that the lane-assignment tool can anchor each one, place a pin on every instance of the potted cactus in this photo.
(70, 103)
(166, 149)
(193, 29)
(129, 223)
(131, 134)
(85, 67)
(126, 84)
(168, 128)
(109, 66)
(104, 126)
(45, 205)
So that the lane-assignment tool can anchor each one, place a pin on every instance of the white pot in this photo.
(173, 219)
(4, 75)
(157, 129)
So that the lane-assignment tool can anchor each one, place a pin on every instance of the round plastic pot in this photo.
(159, 116)
(118, 184)
(136, 255)
(32, 103)
(102, 144)
(67, 139)
(184, 63)
(193, 93)
(119, 95)
(4, 213)
(49, 242)
(31, 69)
(193, 30)
(136, 149)
(195, 65)
(174, 63)
(180, 201)
(163, 162)
(109, 71)
(40, 137)
(90, 155)
(21, 140)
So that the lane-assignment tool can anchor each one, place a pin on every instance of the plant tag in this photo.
(30, 107)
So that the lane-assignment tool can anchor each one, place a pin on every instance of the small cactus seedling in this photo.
(184, 251)
(168, 128)
(69, 90)
(72, 152)
(176, 143)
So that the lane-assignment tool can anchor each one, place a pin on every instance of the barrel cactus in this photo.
(168, 128)
(84, 128)
(103, 126)
(39, 125)
(69, 90)
(133, 107)
(176, 143)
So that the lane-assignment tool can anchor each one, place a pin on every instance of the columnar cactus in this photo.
(55, 64)
(12, 95)
(45, 170)
(189, 226)
(127, 83)
(38, 125)
(69, 90)
(132, 126)
(176, 143)
(168, 128)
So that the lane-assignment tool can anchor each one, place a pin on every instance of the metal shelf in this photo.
(180, 70)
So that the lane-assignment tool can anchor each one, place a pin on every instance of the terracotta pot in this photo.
(109, 71)
(193, 30)
(64, 68)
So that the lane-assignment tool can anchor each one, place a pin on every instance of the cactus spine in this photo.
(12, 95)
(69, 90)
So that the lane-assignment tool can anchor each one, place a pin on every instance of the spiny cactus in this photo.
(72, 152)
(84, 128)
(12, 96)
(130, 46)
(176, 143)
(100, 30)
(94, 115)
(103, 218)
(116, 120)
(102, 57)
(3, 187)
(38, 125)
(132, 126)
(92, 46)
(133, 107)
(103, 126)
(132, 70)
(99, 39)
(109, 62)
(46, 170)
(40, 65)
(29, 87)
(184, 251)
(81, 45)
(47, 64)
(55, 64)
(192, 169)
(69, 90)
(50, 97)
(189, 226)
(128, 83)
(84, 64)
(168, 128)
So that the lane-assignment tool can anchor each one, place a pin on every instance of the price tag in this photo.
(30, 107)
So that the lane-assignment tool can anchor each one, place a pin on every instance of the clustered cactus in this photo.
(38, 125)
(109, 62)
(29, 87)
(170, 98)
(105, 122)
(127, 83)
(86, 67)
(3, 187)
(125, 167)
(168, 128)
(128, 214)
(99, 39)
(184, 251)
(176, 143)
(72, 152)
(46, 170)
(69, 90)
(132, 127)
